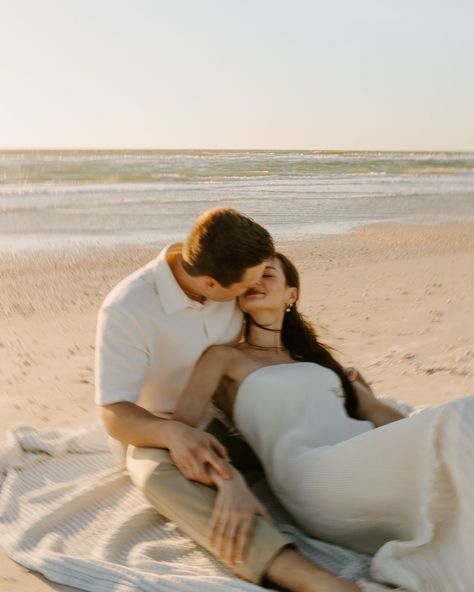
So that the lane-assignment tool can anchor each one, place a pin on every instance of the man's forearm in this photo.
(192, 450)
(134, 425)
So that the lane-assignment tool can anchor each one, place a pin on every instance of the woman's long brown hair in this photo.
(299, 336)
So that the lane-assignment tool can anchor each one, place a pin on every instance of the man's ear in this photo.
(209, 282)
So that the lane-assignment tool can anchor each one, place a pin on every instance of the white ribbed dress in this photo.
(403, 492)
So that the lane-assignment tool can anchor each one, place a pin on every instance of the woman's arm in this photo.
(385, 413)
(234, 512)
(215, 363)
(370, 408)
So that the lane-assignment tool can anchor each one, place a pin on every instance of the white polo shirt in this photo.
(150, 335)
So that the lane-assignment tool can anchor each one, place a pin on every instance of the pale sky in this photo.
(248, 74)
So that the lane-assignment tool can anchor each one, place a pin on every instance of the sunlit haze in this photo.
(249, 74)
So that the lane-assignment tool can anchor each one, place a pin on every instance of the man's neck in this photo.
(186, 282)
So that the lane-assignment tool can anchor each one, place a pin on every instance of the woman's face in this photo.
(271, 293)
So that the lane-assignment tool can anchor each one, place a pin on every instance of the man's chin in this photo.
(222, 298)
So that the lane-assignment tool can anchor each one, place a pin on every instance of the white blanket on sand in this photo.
(69, 511)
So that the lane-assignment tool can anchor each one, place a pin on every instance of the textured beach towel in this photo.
(69, 511)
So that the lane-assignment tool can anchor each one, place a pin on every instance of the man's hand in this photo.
(233, 518)
(194, 452)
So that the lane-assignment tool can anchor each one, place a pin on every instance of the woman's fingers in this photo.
(353, 375)
(213, 524)
(230, 534)
(232, 521)
(243, 537)
(228, 541)
(232, 544)
(218, 531)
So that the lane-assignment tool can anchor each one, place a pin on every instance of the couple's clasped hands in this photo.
(201, 457)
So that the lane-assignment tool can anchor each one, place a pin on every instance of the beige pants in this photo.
(190, 504)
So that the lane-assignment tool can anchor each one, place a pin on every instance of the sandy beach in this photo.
(394, 301)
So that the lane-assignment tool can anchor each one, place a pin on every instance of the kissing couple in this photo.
(211, 378)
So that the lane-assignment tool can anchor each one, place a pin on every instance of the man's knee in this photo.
(147, 466)
(187, 503)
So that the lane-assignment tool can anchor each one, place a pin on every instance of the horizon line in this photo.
(335, 150)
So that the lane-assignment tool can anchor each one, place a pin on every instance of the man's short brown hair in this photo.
(223, 243)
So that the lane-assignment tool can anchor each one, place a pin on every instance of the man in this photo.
(152, 329)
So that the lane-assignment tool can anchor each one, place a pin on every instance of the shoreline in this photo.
(75, 251)
(73, 248)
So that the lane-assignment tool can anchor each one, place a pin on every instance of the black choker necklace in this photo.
(254, 322)
(277, 348)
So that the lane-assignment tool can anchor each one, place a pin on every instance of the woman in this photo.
(402, 491)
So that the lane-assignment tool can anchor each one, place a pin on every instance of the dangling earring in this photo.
(288, 307)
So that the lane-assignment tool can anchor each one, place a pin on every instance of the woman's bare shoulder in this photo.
(224, 353)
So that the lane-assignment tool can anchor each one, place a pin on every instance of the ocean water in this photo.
(62, 199)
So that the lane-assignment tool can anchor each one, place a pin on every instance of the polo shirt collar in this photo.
(171, 294)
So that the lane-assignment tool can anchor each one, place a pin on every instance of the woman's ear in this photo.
(293, 295)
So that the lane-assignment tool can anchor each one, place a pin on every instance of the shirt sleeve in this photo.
(121, 357)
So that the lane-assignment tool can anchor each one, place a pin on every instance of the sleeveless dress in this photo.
(403, 492)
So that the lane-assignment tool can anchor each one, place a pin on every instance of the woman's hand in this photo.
(367, 402)
(369, 407)
(233, 518)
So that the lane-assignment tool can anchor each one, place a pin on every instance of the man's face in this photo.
(251, 277)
